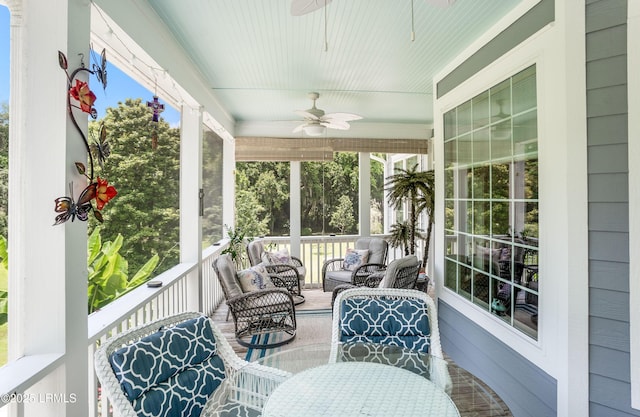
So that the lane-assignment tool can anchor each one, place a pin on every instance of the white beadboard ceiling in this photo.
(260, 61)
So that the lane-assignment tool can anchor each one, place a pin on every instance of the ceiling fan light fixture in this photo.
(314, 130)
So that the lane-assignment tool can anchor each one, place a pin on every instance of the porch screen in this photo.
(491, 201)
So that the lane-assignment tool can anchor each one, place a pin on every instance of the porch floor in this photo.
(316, 299)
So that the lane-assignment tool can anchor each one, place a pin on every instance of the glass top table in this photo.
(304, 380)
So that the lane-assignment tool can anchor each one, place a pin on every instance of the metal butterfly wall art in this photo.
(70, 209)
(100, 148)
(98, 189)
(100, 67)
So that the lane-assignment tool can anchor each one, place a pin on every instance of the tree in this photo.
(271, 193)
(342, 217)
(145, 211)
(399, 236)
(251, 217)
(416, 188)
(269, 182)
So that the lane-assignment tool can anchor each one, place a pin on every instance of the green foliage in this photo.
(251, 216)
(400, 235)
(262, 195)
(238, 241)
(322, 185)
(342, 217)
(108, 271)
(145, 211)
(416, 189)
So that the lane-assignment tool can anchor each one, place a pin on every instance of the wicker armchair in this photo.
(334, 273)
(390, 316)
(257, 312)
(400, 273)
(172, 366)
(291, 275)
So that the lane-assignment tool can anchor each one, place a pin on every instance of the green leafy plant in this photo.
(416, 189)
(108, 271)
(399, 236)
(237, 246)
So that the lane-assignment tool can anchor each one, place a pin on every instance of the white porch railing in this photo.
(144, 305)
(182, 291)
(315, 250)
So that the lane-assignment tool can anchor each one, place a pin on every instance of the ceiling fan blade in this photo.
(299, 128)
(306, 115)
(301, 7)
(345, 117)
(335, 124)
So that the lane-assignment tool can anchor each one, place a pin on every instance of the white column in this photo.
(364, 193)
(48, 265)
(190, 186)
(228, 185)
(294, 208)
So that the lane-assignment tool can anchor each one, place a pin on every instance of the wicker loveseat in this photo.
(171, 367)
(335, 273)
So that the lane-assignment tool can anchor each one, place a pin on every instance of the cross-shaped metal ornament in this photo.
(157, 108)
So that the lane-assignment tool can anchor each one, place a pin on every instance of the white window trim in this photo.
(562, 349)
(633, 85)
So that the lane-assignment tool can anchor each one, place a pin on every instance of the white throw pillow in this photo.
(278, 257)
(354, 258)
(255, 278)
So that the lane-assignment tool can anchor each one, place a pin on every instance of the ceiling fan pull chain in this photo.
(326, 44)
(413, 32)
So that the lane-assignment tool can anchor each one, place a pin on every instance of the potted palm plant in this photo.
(417, 190)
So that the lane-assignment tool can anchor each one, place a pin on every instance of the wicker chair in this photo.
(389, 316)
(400, 273)
(172, 366)
(257, 312)
(334, 273)
(291, 275)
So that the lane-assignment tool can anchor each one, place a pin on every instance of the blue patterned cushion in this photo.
(165, 371)
(184, 394)
(399, 322)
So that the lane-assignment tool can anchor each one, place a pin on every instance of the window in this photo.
(491, 201)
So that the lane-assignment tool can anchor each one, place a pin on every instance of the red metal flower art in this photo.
(104, 193)
(84, 95)
(98, 189)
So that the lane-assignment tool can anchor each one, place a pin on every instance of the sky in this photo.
(119, 85)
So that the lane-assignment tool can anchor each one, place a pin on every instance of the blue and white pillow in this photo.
(255, 278)
(355, 258)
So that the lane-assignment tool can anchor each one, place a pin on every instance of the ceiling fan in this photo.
(315, 119)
